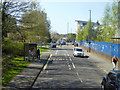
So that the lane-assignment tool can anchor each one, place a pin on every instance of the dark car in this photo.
(111, 81)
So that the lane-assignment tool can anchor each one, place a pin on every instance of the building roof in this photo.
(85, 22)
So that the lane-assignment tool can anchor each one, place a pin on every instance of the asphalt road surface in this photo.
(63, 70)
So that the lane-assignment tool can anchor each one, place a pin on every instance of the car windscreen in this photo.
(118, 79)
(78, 49)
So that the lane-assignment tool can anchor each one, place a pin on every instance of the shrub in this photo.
(13, 48)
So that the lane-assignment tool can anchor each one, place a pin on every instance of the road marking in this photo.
(47, 62)
(70, 59)
(79, 78)
(56, 52)
(105, 71)
(69, 68)
(68, 65)
(73, 65)
(60, 59)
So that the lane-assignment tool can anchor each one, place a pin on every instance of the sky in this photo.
(63, 14)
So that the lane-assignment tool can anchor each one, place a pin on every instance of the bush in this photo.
(12, 48)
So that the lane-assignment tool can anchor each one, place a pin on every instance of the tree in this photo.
(54, 36)
(109, 22)
(71, 37)
(78, 35)
(11, 12)
(36, 25)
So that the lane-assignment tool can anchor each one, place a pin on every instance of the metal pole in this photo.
(67, 30)
(111, 53)
(89, 31)
(67, 27)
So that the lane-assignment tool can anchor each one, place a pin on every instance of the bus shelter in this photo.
(30, 51)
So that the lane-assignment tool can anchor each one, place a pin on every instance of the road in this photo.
(63, 70)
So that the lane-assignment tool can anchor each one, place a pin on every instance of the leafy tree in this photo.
(54, 36)
(35, 24)
(71, 37)
(78, 35)
(110, 22)
(11, 12)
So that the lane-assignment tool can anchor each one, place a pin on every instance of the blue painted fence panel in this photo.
(104, 47)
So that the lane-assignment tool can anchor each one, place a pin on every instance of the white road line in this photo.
(68, 65)
(47, 62)
(73, 65)
(70, 59)
(68, 54)
(56, 52)
(69, 68)
(79, 77)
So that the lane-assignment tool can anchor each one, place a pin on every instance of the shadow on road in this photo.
(82, 56)
(60, 49)
(50, 61)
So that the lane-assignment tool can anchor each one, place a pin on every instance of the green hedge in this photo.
(13, 48)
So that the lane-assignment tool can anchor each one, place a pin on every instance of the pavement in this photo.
(101, 62)
(27, 77)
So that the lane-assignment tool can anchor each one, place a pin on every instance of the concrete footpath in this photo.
(26, 78)
(101, 62)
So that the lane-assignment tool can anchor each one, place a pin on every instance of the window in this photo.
(112, 76)
(78, 49)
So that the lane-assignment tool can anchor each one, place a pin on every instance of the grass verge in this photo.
(43, 48)
(11, 69)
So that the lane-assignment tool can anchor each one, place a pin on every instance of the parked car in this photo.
(111, 81)
(78, 51)
(52, 45)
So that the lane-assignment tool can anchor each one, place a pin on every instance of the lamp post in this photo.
(67, 32)
(89, 31)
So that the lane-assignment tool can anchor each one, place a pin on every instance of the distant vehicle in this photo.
(111, 81)
(59, 42)
(52, 45)
(78, 52)
(63, 43)
(74, 43)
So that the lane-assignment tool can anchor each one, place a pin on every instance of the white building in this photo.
(81, 24)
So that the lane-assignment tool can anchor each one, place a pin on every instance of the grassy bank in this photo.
(43, 48)
(11, 67)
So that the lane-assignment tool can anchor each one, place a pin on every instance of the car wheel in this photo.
(73, 55)
(103, 87)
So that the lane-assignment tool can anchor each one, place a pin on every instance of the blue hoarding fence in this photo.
(104, 47)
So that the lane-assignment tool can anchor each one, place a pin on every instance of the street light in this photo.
(89, 29)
